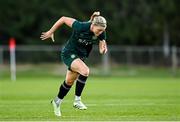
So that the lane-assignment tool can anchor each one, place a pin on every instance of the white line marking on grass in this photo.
(132, 104)
(89, 103)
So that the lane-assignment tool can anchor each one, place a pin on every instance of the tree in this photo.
(130, 22)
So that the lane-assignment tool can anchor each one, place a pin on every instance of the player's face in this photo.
(97, 30)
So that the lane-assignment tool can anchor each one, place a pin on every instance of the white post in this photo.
(1, 55)
(106, 65)
(13, 64)
(166, 41)
(174, 60)
(12, 45)
(1, 59)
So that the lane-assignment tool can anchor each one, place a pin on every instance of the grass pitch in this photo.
(107, 98)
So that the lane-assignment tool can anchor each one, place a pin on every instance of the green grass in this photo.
(152, 95)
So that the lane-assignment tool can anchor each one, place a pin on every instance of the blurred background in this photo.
(142, 36)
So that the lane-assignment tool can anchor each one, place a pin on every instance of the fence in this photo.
(117, 55)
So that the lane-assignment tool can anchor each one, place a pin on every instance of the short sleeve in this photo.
(102, 36)
(80, 26)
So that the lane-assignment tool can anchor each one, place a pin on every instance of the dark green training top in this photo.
(82, 39)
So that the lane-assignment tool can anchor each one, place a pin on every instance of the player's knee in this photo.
(69, 82)
(85, 71)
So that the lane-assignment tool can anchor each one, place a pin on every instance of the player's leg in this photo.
(63, 90)
(66, 85)
(79, 66)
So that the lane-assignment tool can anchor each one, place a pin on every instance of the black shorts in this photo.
(69, 57)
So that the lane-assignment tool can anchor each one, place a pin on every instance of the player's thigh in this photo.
(71, 77)
(79, 66)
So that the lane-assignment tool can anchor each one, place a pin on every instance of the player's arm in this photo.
(63, 20)
(103, 47)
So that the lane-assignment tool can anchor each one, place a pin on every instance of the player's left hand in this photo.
(103, 47)
(104, 50)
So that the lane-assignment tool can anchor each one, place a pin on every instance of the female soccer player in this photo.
(75, 52)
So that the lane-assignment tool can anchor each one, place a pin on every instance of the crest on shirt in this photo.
(73, 56)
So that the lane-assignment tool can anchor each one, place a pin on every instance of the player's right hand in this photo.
(46, 35)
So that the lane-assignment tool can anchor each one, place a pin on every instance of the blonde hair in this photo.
(99, 21)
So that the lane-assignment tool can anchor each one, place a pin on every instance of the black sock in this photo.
(80, 83)
(63, 90)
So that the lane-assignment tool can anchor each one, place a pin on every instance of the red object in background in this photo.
(12, 43)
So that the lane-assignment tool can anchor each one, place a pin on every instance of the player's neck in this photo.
(91, 28)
